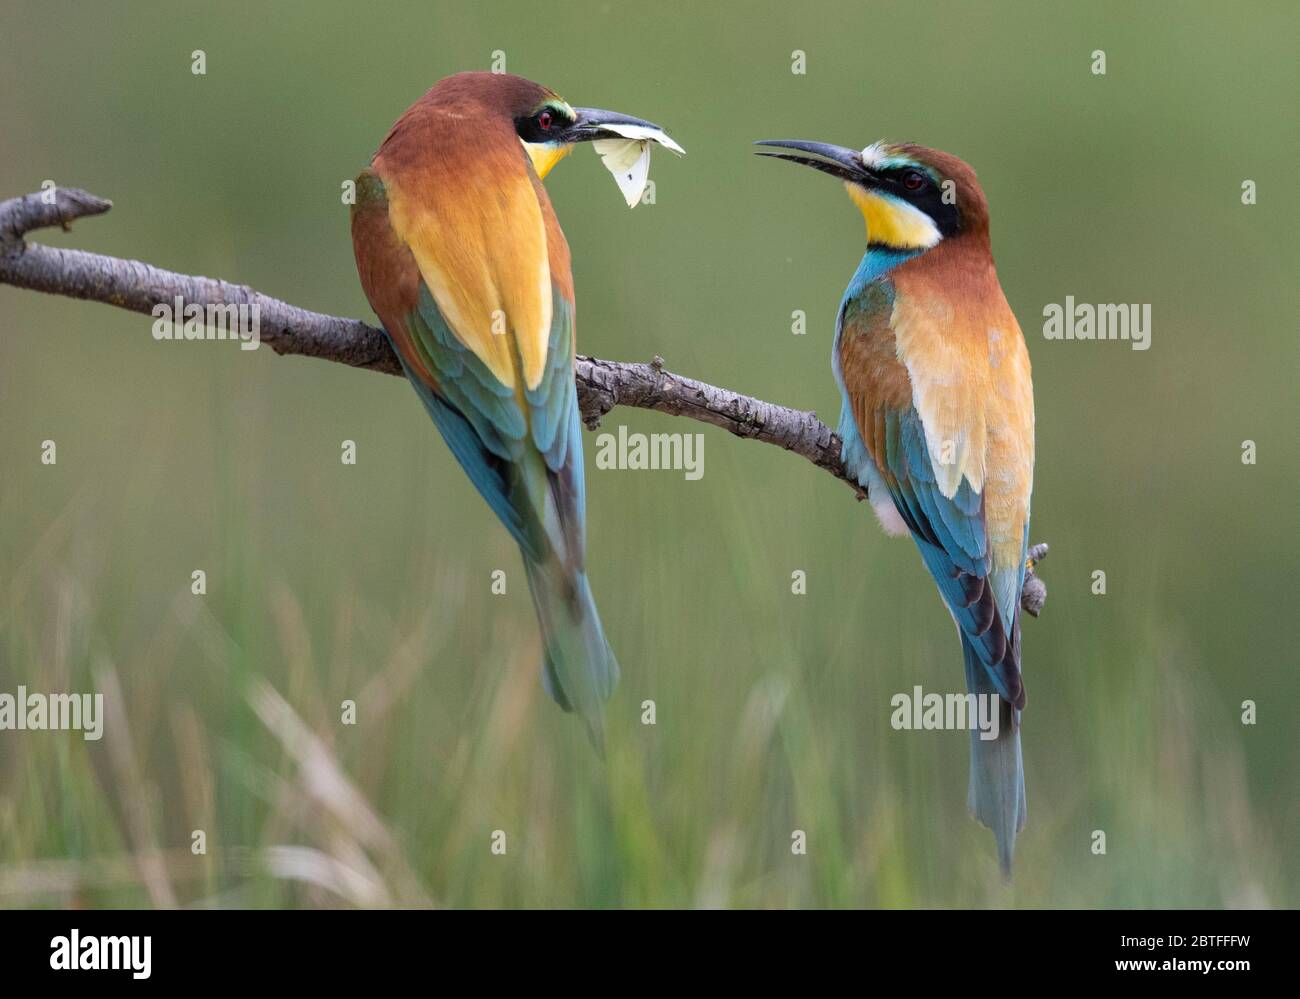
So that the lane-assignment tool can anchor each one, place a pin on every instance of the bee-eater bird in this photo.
(462, 259)
(937, 419)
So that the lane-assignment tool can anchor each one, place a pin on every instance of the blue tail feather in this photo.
(997, 772)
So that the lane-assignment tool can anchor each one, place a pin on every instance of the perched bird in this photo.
(462, 259)
(937, 419)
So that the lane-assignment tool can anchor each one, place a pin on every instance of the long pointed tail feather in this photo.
(578, 667)
(997, 775)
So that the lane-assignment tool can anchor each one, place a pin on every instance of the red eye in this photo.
(544, 121)
(913, 181)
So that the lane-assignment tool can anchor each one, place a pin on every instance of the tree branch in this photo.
(287, 329)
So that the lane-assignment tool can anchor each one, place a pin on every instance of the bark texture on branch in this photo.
(287, 329)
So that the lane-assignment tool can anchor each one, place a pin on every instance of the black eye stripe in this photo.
(901, 175)
(532, 128)
(558, 116)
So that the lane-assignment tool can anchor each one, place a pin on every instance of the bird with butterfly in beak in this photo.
(937, 419)
(461, 256)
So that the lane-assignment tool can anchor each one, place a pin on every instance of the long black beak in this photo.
(592, 121)
(846, 164)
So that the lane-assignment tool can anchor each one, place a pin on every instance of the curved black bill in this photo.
(591, 121)
(846, 164)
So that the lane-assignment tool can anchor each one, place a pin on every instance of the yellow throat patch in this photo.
(545, 155)
(893, 222)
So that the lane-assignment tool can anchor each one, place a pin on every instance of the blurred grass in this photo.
(371, 583)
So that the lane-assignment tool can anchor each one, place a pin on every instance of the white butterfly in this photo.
(628, 158)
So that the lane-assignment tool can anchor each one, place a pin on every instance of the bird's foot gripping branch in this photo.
(287, 329)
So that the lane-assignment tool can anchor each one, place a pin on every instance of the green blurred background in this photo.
(371, 583)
